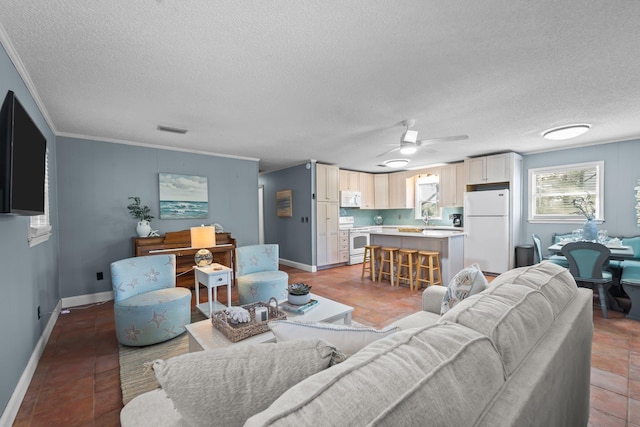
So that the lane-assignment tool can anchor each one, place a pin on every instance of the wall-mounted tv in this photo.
(22, 160)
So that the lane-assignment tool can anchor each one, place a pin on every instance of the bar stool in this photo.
(371, 255)
(428, 260)
(388, 256)
(406, 262)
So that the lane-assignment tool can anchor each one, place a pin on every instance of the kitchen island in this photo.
(449, 243)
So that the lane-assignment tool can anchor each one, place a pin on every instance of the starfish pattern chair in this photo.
(148, 307)
(258, 276)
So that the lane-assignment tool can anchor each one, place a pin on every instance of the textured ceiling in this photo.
(289, 81)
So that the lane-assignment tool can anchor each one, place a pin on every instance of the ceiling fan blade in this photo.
(387, 152)
(429, 141)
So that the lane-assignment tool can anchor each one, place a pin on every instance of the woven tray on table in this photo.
(239, 331)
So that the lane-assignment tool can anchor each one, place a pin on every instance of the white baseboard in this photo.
(304, 267)
(11, 410)
(87, 299)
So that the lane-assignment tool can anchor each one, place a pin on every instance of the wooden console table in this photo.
(179, 243)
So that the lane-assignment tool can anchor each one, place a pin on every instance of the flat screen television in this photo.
(22, 159)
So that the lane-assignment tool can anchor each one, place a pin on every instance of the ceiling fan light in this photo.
(566, 132)
(396, 163)
(410, 136)
(408, 149)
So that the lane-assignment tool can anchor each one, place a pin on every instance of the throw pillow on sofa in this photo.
(227, 386)
(469, 281)
(347, 339)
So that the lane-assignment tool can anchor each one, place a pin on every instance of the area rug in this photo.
(135, 378)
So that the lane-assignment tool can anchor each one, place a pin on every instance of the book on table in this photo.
(287, 306)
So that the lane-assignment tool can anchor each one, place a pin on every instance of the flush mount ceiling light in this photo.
(566, 132)
(396, 163)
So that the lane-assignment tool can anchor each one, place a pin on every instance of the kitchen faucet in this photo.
(426, 220)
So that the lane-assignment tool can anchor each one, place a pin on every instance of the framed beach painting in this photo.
(283, 203)
(183, 196)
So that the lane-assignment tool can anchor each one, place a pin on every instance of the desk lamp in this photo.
(203, 238)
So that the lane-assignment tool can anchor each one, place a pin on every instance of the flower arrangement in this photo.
(139, 212)
(585, 206)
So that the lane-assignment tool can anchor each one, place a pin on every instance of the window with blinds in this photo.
(552, 192)
(39, 225)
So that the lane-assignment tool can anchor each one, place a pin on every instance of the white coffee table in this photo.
(204, 336)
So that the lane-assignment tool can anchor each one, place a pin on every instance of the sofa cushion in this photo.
(395, 381)
(229, 385)
(554, 281)
(515, 317)
(417, 319)
(347, 339)
(467, 282)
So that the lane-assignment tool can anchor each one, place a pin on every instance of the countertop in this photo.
(437, 233)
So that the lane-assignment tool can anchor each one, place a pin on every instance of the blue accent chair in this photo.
(258, 276)
(587, 264)
(148, 307)
(556, 259)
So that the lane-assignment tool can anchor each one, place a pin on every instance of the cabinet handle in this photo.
(220, 279)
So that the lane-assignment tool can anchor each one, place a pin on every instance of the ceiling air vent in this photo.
(171, 129)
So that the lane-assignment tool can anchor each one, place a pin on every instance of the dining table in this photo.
(618, 252)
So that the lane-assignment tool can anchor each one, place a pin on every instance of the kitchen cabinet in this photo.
(327, 183)
(344, 245)
(381, 191)
(349, 180)
(328, 244)
(452, 185)
(401, 191)
(461, 184)
(367, 189)
(489, 169)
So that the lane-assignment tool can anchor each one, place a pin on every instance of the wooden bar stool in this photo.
(428, 260)
(388, 256)
(371, 255)
(406, 262)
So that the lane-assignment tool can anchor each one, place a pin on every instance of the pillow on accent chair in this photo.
(467, 282)
(227, 386)
(347, 339)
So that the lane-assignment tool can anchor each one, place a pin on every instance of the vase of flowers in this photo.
(143, 214)
(586, 207)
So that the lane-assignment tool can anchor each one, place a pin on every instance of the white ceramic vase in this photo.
(144, 228)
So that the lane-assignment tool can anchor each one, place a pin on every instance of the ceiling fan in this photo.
(409, 142)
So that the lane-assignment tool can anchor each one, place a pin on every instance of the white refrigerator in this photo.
(486, 228)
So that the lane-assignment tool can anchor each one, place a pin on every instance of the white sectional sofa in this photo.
(516, 354)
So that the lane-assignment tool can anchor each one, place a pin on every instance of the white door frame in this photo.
(261, 214)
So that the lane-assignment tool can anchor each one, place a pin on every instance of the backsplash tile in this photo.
(364, 217)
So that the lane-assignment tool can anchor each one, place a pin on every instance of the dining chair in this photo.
(587, 263)
(556, 259)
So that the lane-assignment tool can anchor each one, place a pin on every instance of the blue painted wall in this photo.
(621, 173)
(29, 276)
(295, 235)
(96, 179)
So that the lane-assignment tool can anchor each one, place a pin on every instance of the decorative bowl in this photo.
(299, 299)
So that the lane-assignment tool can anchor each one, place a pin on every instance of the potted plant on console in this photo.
(142, 214)
(299, 294)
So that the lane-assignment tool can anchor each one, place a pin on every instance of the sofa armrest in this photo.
(432, 298)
